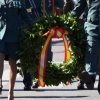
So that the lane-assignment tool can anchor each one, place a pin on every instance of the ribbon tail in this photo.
(42, 62)
(66, 45)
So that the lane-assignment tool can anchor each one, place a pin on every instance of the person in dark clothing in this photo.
(92, 30)
(33, 8)
(68, 7)
(10, 32)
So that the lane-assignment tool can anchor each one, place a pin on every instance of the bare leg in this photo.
(12, 77)
(2, 56)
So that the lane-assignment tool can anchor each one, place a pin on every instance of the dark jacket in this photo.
(11, 14)
(35, 11)
(57, 3)
(69, 6)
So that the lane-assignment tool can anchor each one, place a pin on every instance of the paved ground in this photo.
(61, 92)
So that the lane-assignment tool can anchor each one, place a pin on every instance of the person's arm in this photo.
(79, 8)
(59, 6)
(68, 6)
(24, 14)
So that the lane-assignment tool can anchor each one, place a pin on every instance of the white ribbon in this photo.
(2, 2)
(2, 32)
(75, 1)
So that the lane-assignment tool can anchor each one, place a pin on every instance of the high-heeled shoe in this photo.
(1, 90)
(10, 97)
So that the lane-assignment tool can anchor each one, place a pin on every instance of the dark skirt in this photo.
(9, 49)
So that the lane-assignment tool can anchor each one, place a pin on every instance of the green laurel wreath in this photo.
(32, 42)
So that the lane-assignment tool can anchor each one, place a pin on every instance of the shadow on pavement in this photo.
(45, 97)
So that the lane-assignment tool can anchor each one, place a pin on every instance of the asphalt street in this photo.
(61, 92)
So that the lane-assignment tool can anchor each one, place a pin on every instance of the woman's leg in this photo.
(12, 75)
(2, 56)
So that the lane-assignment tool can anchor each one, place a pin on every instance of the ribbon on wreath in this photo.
(56, 32)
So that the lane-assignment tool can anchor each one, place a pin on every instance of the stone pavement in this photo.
(61, 92)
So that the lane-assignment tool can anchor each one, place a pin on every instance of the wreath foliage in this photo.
(32, 42)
